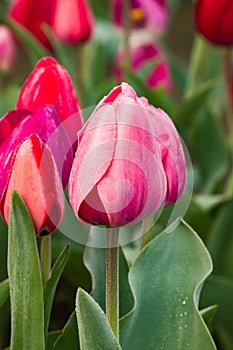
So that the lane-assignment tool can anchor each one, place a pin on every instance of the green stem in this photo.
(147, 225)
(197, 55)
(45, 255)
(126, 42)
(112, 279)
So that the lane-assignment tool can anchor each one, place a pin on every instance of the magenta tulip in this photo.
(50, 83)
(16, 125)
(214, 20)
(143, 13)
(129, 162)
(34, 175)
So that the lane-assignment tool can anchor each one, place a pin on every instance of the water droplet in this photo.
(185, 313)
(184, 302)
(181, 315)
(180, 327)
(185, 326)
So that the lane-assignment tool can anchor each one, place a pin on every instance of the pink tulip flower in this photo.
(7, 49)
(34, 175)
(50, 83)
(73, 21)
(143, 13)
(129, 162)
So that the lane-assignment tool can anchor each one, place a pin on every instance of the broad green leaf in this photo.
(4, 292)
(220, 242)
(166, 280)
(95, 261)
(51, 285)
(69, 338)
(26, 292)
(94, 329)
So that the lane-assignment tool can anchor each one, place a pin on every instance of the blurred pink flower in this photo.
(142, 55)
(143, 13)
(7, 48)
(129, 162)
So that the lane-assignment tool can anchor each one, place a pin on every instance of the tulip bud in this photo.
(214, 20)
(34, 175)
(73, 21)
(50, 83)
(16, 125)
(129, 162)
(143, 13)
(7, 49)
(141, 55)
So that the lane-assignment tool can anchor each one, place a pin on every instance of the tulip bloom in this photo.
(50, 83)
(129, 162)
(34, 175)
(142, 55)
(7, 49)
(214, 20)
(143, 13)
(16, 125)
(32, 14)
(72, 21)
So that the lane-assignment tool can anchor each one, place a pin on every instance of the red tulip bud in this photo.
(50, 83)
(214, 20)
(34, 175)
(7, 49)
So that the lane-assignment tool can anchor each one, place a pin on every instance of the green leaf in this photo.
(94, 329)
(4, 292)
(51, 285)
(26, 292)
(166, 280)
(69, 338)
(95, 261)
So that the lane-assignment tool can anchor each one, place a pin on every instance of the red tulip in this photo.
(73, 21)
(32, 14)
(143, 13)
(50, 83)
(214, 20)
(129, 162)
(7, 49)
(34, 175)
(145, 54)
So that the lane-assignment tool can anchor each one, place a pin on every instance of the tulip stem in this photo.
(147, 225)
(45, 256)
(126, 23)
(112, 279)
